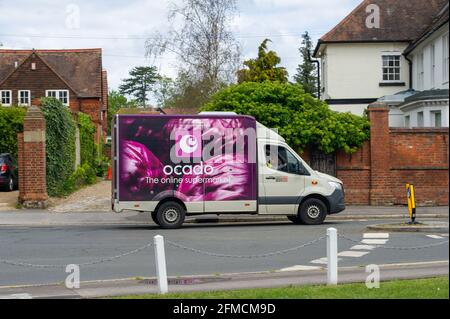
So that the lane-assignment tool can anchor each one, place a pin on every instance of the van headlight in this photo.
(336, 185)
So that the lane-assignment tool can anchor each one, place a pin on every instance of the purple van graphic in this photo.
(194, 159)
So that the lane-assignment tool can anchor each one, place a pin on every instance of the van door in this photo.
(283, 179)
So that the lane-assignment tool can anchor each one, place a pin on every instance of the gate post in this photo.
(32, 161)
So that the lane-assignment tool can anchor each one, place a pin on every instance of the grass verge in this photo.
(431, 288)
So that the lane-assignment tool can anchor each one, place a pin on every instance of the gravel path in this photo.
(92, 198)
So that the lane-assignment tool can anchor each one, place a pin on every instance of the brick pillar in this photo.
(32, 162)
(379, 155)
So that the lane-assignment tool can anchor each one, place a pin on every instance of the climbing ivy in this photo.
(60, 145)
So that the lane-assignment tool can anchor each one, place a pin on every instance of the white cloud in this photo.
(112, 21)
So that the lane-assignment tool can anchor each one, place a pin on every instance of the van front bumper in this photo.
(336, 201)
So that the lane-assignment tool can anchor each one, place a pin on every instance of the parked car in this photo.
(9, 177)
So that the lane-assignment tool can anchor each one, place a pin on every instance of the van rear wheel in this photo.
(155, 220)
(313, 211)
(170, 215)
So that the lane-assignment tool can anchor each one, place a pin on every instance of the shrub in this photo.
(60, 145)
(299, 117)
(87, 144)
(83, 175)
(11, 123)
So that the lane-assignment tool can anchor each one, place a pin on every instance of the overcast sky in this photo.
(121, 26)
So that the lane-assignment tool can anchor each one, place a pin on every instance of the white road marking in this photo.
(435, 236)
(16, 296)
(376, 236)
(321, 261)
(363, 247)
(444, 235)
(300, 267)
(374, 241)
(354, 254)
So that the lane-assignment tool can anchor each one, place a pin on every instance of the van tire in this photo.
(313, 211)
(170, 215)
(155, 220)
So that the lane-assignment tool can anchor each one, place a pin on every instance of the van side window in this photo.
(281, 159)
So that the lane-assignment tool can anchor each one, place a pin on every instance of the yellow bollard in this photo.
(411, 202)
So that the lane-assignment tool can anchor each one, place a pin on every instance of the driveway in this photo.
(95, 198)
(8, 200)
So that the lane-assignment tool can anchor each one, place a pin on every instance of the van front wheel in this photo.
(170, 215)
(312, 212)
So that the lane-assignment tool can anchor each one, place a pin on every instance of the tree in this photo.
(307, 70)
(117, 101)
(299, 117)
(264, 67)
(165, 91)
(140, 83)
(200, 36)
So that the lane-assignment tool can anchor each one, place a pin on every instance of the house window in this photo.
(62, 95)
(420, 122)
(24, 97)
(433, 64)
(445, 61)
(436, 118)
(391, 68)
(5, 98)
(420, 71)
(407, 121)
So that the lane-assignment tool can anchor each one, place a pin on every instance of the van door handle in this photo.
(271, 178)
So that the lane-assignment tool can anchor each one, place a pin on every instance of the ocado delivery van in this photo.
(214, 163)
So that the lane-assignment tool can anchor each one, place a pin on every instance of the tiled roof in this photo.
(400, 21)
(81, 68)
(439, 21)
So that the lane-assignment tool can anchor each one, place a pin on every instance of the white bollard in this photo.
(332, 258)
(161, 270)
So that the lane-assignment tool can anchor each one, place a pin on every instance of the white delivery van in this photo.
(214, 163)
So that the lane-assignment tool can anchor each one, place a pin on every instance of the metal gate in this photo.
(324, 163)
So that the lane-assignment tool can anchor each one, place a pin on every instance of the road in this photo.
(81, 244)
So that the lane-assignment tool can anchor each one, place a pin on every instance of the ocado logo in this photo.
(188, 144)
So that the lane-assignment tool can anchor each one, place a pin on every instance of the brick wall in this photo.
(378, 172)
(32, 161)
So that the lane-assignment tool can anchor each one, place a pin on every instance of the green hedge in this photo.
(88, 148)
(60, 140)
(11, 123)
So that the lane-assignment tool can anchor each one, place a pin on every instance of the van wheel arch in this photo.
(170, 199)
(315, 196)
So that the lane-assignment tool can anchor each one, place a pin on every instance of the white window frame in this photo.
(19, 98)
(58, 95)
(420, 71)
(400, 66)
(445, 59)
(10, 98)
(433, 114)
(433, 65)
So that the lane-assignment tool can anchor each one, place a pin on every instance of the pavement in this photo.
(32, 218)
(139, 286)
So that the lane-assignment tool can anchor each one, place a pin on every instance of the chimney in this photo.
(16, 65)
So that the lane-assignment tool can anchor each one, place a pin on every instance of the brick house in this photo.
(75, 77)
